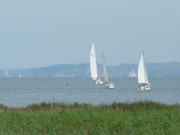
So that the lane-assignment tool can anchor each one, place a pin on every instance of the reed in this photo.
(117, 118)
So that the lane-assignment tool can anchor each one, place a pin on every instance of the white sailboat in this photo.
(142, 75)
(6, 74)
(132, 74)
(108, 85)
(19, 77)
(93, 66)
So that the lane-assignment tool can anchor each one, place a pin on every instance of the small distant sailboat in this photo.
(108, 85)
(93, 66)
(19, 77)
(142, 75)
(6, 74)
(132, 74)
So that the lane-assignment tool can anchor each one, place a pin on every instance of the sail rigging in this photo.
(105, 71)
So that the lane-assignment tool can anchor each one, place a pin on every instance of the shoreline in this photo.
(75, 104)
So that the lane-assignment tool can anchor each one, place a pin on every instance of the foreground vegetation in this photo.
(117, 118)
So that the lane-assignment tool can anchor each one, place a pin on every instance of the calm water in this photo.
(14, 93)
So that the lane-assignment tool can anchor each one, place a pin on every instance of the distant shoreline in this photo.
(171, 69)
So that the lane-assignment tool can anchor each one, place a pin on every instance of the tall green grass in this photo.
(118, 118)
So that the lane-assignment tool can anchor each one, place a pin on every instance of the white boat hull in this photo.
(144, 87)
(110, 86)
(98, 81)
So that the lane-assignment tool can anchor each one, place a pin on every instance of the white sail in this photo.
(20, 75)
(6, 73)
(133, 73)
(93, 66)
(105, 71)
(142, 74)
(130, 74)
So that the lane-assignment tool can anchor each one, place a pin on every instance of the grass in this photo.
(118, 118)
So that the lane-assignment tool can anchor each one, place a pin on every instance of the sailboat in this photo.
(108, 85)
(142, 75)
(93, 66)
(19, 77)
(6, 74)
(132, 74)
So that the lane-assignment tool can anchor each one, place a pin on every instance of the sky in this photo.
(38, 33)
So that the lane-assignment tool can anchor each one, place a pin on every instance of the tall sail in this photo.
(142, 74)
(105, 71)
(93, 66)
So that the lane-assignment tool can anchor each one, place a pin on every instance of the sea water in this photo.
(18, 93)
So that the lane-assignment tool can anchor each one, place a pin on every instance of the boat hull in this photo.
(98, 81)
(110, 86)
(144, 87)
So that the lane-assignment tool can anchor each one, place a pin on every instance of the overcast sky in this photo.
(37, 33)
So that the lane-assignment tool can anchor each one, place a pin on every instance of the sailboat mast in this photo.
(105, 71)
